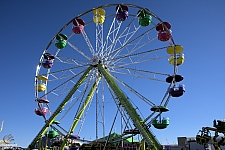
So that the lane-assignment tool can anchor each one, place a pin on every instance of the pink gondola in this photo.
(163, 26)
(164, 35)
(78, 22)
(78, 29)
(41, 113)
(43, 100)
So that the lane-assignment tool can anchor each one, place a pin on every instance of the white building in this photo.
(189, 143)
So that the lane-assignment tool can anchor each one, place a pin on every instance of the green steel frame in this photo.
(80, 113)
(148, 136)
(60, 107)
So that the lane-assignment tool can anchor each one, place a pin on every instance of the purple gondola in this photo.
(177, 91)
(121, 8)
(176, 78)
(122, 12)
(122, 16)
(47, 64)
(49, 56)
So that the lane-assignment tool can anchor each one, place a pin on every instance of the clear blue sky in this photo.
(28, 26)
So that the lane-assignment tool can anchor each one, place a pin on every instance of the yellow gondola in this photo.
(99, 15)
(99, 19)
(99, 11)
(42, 78)
(170, 49)
(179, 58)
(41, 87)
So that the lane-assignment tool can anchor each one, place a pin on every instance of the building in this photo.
(189, 143)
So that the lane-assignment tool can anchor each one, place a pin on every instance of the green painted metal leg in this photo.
(142, 145)
(40, 144)
(60, 107)
(124, 100)
(80, 113)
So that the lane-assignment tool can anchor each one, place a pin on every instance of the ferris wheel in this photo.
(113, 67)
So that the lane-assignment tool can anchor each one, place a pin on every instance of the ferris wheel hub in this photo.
(95, 60)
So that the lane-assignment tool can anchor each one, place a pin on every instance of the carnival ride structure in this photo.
(205, 135)
(99, 73)
(7, 139)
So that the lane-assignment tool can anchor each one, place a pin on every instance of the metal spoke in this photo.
(134, 91)
(88, 42)
(79, 51)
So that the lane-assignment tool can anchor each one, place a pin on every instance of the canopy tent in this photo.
(115, 138)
